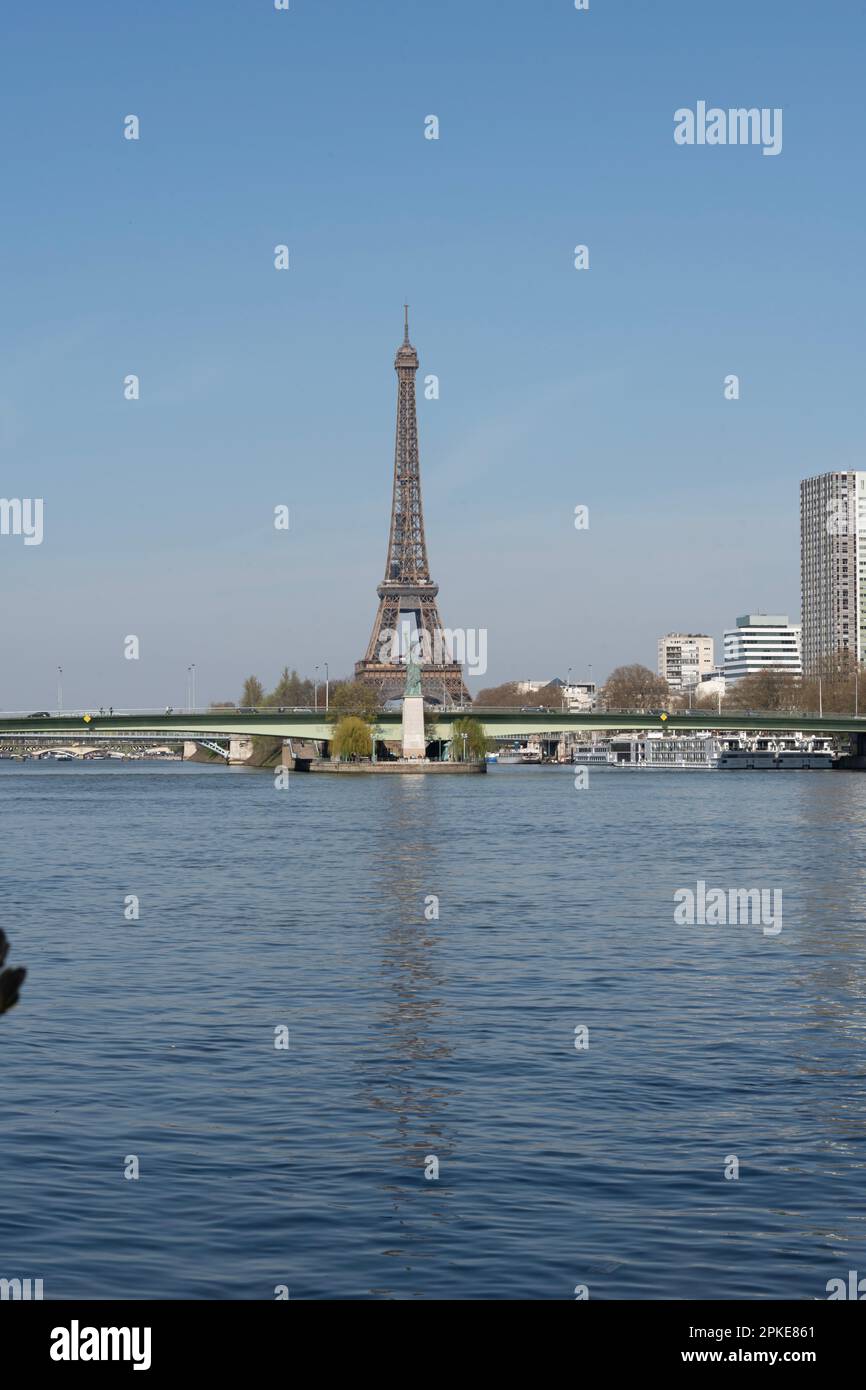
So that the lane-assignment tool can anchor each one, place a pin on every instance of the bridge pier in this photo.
(855, 759)
(247, 750)
(240, 749)
(194, 753)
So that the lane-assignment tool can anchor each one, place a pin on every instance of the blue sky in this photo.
(558, 387)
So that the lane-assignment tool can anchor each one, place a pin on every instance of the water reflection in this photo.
(828, 911)
(403, 1077)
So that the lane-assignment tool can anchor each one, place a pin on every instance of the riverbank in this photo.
(398, 766)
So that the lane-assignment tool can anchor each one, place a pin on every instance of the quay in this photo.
(391, 767)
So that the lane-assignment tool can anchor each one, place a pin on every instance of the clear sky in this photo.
(557, 387)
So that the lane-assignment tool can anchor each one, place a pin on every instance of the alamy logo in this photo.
(468, 646)
(736, 126)
(76, 1343)
(20, 1289)
(22, 516)
(738, 907)
(846, 516)
(856, 1288)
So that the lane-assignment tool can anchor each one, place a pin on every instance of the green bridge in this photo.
(498, 724)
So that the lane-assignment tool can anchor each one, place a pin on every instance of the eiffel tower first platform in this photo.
(407, 594)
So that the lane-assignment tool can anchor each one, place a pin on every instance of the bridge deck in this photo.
(502, 723)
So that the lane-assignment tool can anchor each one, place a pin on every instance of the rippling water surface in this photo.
(409, 1037)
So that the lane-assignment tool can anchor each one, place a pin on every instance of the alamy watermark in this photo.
(845, 516)
(734, 907)
(854, 1289)
(22, 516)
(23, 1289)
(737, 126)
(466, 645)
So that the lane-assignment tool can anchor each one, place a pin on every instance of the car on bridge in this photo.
(40, 714)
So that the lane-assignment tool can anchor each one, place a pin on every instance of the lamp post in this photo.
(327, 682)
(59, 688)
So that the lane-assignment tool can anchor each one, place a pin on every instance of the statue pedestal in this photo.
(414, 742)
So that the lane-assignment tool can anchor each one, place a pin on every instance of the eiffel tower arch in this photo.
(407, 594)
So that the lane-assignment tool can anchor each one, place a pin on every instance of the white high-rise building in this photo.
(762, 641)
(833, 567)
(684, 657)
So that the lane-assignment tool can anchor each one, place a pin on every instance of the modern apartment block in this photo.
(833, 567)
(761, 641)
(684, 657)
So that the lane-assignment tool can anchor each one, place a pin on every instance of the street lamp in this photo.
(59, 688)
(327, 680)
(190, 687)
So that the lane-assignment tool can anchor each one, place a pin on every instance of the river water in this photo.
(418, 1039)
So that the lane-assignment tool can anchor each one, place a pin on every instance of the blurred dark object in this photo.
(10, 980)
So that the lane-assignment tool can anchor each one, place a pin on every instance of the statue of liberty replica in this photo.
(414, 741)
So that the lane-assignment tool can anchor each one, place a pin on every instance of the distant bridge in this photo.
(498, 723)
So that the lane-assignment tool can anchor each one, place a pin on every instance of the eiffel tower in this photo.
(407, 592)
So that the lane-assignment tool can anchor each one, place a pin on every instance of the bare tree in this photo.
(253, 693)
(634, 687)
(505, 696)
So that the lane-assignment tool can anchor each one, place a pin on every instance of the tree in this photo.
(769, 689)
(253, 693)
(468, 741)
(355, 697)
(282, 691)
(842, 686)
(291, 690)
(506, 696)
(352, 738)
(636, 688)
(550, 696)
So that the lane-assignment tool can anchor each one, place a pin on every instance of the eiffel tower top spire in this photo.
(406, 354)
